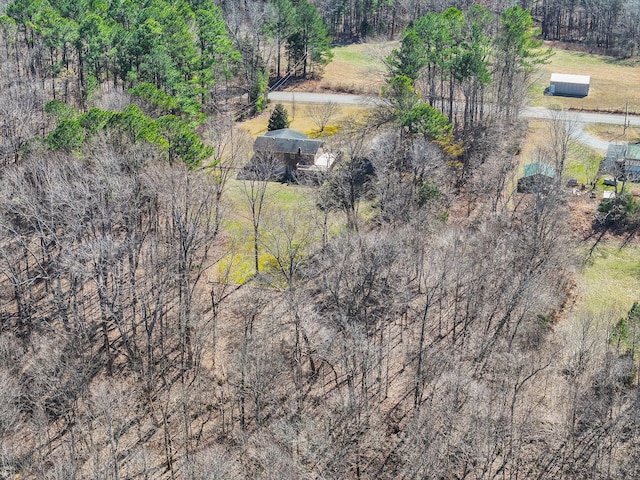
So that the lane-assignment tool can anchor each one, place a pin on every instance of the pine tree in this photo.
(279, 118)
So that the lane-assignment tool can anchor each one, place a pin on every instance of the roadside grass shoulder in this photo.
(613, 133)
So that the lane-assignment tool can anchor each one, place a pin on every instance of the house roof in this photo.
(287, 141)
(539, 168)
(286, 133)
(568, 78)
(615, 152)
(632, 152)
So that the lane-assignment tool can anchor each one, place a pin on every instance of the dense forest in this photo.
(427, 338)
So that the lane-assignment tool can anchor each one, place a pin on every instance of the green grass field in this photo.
(610, 280)
(583, 164)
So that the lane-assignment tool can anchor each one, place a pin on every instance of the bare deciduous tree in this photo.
(259, 173)
(322, 113)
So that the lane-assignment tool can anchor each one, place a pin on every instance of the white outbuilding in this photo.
(569, 85)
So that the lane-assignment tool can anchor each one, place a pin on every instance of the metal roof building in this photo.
(569, 85)
(623, 161)
(539, 168)
(290, 153)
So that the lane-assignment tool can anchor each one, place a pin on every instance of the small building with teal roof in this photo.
(537, 176)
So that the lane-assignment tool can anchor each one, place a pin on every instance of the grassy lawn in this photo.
(288, 211)
(613, 82)
(610, 280)
(301, 120)
(360, 68)
(582, 164)
(357, 68)
(536, 138)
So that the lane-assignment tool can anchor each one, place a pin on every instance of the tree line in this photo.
(189, 50)
(473, 66)
(607, 26)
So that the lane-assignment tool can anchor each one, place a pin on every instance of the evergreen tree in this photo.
(281, 25)
(410, 58)
(279, 118)
(309, 45)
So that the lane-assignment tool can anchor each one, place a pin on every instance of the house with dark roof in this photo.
(537, 176)
(291, 152)
(623, 161)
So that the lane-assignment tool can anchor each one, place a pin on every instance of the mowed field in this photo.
(358, 68)
(361, 68)
(613, 82)
(610, 279)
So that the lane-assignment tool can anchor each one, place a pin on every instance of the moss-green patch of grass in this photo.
(583, 164)
(610, 279)
(353, 54)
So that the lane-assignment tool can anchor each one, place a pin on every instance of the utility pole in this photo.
(626, 115)
(293, 106)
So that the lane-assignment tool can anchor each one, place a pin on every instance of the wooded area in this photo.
(408, 325)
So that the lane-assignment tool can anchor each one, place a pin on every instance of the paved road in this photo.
(581, 118)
